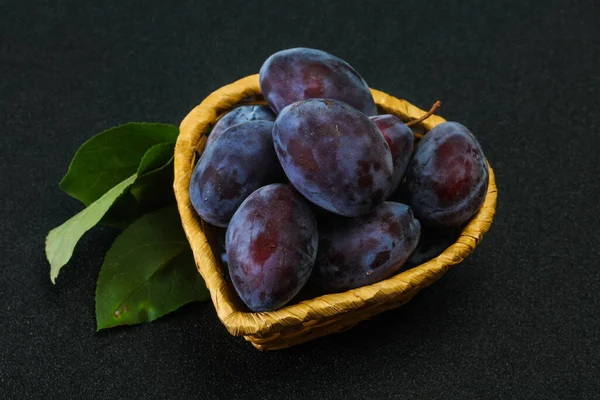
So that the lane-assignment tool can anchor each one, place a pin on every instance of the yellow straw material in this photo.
(308, 319)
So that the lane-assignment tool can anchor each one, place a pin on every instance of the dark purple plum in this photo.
(400, 139)
(240, 161)
(271, 245)
(355, 252)
(301, 73)
(237, 116)
(447, 177)
(434, 240)
(334, 155)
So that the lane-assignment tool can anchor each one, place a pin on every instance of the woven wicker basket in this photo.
(308, 319)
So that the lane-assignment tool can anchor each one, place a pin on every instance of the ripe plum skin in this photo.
(447, 178)
(303, 73)
(237, 116)
(334, 155)
(355, 252)
(400, 139)
(271, 246)
(240, 161)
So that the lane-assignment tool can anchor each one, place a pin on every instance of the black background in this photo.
(518, 319)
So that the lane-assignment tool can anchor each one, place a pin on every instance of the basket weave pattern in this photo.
(309, 319)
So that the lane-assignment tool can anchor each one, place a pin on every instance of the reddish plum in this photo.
(271, 246)
(400, 139)
(359, 251)
(334, 155)
(447, 177)
(301, 73)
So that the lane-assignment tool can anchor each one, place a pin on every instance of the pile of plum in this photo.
(319, 188)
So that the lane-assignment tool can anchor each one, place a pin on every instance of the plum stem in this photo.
(428, 114)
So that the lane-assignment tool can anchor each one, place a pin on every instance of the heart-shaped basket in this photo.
(308, 319)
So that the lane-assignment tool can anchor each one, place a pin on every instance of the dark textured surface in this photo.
(518, 319)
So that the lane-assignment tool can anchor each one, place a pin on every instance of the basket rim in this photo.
(230, 310)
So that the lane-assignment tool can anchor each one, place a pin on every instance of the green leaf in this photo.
(110, 157)
(148, 272)
(61, 241)
(153, 188)
(156, 157)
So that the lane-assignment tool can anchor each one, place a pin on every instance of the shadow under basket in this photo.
(308, 319)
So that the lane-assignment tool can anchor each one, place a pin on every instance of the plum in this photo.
(271, 246)
(359, 251)
(240, 161)
(334, 155)
(302, 73)
(400, 139)
(237, 116)
(447, 177)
